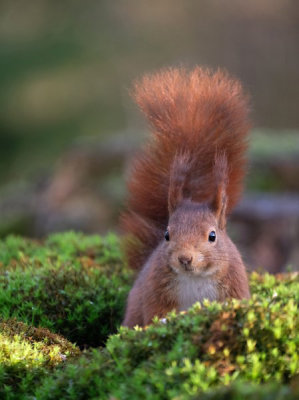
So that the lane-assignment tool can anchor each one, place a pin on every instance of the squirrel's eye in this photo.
(212, 236)
(166, 235)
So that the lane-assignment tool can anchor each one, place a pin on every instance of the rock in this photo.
(266, 228)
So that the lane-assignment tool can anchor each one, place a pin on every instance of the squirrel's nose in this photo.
(185, 260)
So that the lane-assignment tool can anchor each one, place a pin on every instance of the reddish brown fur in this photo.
(155, 291)
(197, 112)
(187, 178)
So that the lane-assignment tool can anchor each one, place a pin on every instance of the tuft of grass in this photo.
(72, 284)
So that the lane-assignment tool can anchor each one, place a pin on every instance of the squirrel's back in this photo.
(196, 114)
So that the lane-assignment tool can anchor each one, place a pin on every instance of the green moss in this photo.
(72, 284)
(27, 354)
(77, 285)
(202, 350)
(245, 391)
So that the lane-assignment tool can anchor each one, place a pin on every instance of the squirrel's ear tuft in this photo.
(178, 180)
(219, 202)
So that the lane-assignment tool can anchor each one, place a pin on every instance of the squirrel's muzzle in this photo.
(185, 261)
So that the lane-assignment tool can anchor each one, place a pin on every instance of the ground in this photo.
(61, 305)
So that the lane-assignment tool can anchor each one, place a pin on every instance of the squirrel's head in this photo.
(196, 239)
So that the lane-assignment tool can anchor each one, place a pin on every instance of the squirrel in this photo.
(181, 188)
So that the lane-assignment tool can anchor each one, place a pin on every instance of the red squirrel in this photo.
(181, 188)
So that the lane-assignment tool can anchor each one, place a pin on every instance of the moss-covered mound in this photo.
(72, 284)
(77, 285)
(254, 342)
(27, 354)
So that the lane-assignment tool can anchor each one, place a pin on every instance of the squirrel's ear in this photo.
(175, 197)
(177, 181)
(219, 202)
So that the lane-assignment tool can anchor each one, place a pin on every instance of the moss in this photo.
(241, 391)
(27, 354)
(77, 285)
(206, 349)
(72, 284)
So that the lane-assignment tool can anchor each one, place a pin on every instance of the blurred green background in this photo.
(68, 126)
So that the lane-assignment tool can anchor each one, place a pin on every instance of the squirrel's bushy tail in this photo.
(197, 113)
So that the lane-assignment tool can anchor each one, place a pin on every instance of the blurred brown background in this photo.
(68, 127)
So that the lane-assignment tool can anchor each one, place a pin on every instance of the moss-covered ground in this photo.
(61, 305)
(72, 284)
